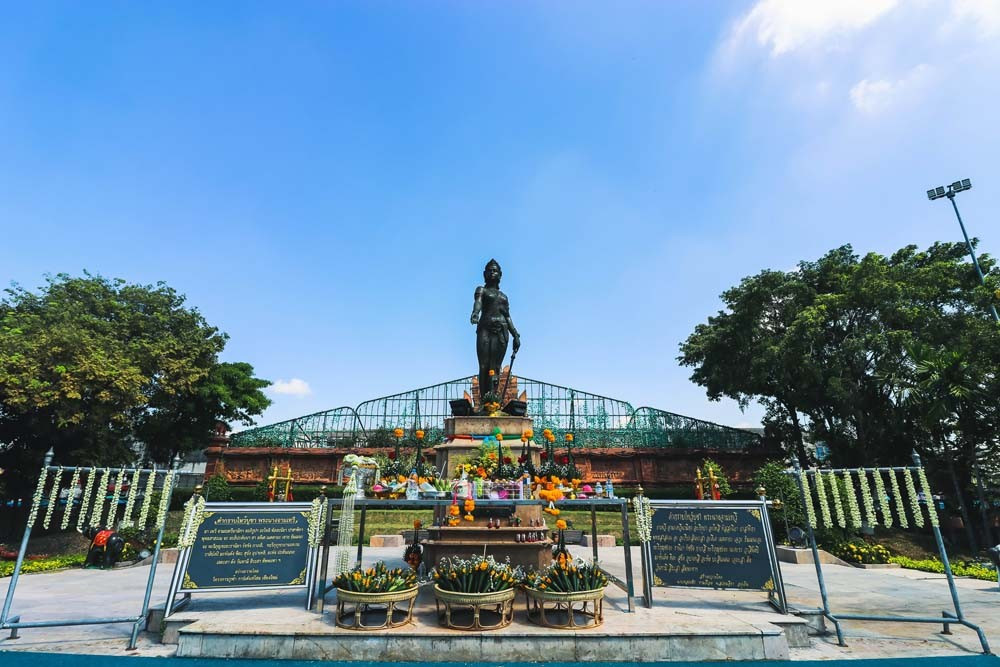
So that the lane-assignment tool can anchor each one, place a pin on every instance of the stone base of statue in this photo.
(464, 435)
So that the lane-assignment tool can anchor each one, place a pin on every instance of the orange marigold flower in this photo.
(420, 435)
(398, 432)
(561, 524)
(528, 434)
(492, 372)
(569, 437)
(499, 436)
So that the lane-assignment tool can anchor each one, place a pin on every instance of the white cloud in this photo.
(787, 25)
(878, 95)
(982, 15)
(293, 387)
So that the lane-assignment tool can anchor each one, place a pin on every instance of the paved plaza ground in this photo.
(891, 591)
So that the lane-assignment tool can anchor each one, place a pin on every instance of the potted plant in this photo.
(378, 586)
(480, 585)
(561, 587)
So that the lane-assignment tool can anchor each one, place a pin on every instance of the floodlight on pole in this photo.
(952, 190)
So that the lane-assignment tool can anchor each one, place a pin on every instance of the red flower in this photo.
(391, 456)
(565, 460)
(545, 456)
(522, 458)
(506, 459)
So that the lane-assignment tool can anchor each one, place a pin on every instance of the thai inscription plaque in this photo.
(711, 547)
(248, 549)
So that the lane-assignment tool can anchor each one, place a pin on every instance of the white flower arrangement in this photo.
(346, 532)
(897, 497)
(115, 496)
(102, 497)
(317, 521)
(194, 514)
(807, 494)
(147, 498)
(824, 504)
(161, 513)
(883, 498)
(643, 518)
(926, 488)
(86, 499)
(36, 499)
(53, 498)
(866, 498)
(838, 506)
(853, 511)
(918, 515)
(74, 484)
(133, 490)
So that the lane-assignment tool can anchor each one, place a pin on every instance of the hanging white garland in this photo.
(102, 497)
(807, 495)
(53, 498)
(918, 515)
(824, 503)
(168, 484)
(926, 488)
(897, 497)
(317, 521)
(643, 518)
(883, 498)
(74, 484)
(147, 498)
(111, 523)
(866, 499)
(194, 514)
(346, 531)
(133, 490)
(838, 506)
(36, 499)
(86, 499)
(853, 511)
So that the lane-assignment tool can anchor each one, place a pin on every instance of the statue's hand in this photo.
(517, 344)
(474, 319)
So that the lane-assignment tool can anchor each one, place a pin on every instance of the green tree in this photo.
(100, 369)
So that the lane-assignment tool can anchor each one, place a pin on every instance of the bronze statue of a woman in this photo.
(491, 314)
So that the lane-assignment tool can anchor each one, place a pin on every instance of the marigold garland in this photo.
(74, 483)
(86, 500)
(918, 515)
(346, 530)
(838, 507)
(883, 498)
(53, 498)
(897, 497)
(36, 499)
(317, 521)
(102, 497)
(807, 494)
(824, 504)
(866, 498)
(194, 514)
(926, 488)
(115, 497)
(168, 485)
(643, 518)
(853, 511)
(133, 490)
(147, 498)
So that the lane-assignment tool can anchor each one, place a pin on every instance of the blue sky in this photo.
(325, 181)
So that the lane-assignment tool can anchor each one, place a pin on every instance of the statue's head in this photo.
(492, 272)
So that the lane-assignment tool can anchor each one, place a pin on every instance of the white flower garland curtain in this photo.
(95, 502)
(844, 490)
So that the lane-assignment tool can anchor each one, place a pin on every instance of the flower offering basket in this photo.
(566, 607)
(499, 604)
(363, 603)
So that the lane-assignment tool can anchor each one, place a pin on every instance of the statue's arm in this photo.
(477, 306)
(512, 330)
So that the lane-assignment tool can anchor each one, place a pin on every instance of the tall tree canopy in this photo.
(874, 355)
(99, 368)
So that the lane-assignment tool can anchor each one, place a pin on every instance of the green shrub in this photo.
(780, 486)
(958, 568)
(720, 477)
(42, 564)
(859, 551)
(217, 489)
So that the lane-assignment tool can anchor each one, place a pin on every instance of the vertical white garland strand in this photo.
(53, 498)
(838, 506)
(866, 498)
(346, 530)
(897, 497)
(102, 497)
(918, 515)
(824, 504)
(807, 494)
(147, 498)
(133, 490)
(883, 498)
(74, 484)
(86, 499)
(168, 484)
(926, 488)
(115, 497)
(853, 511)
(36, 498)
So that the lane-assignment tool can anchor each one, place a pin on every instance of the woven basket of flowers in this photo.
(475, 594)
(375, 594)
(567, 595)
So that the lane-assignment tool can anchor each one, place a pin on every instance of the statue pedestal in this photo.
(464, 435)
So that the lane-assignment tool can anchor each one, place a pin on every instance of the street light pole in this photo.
(953, 189)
